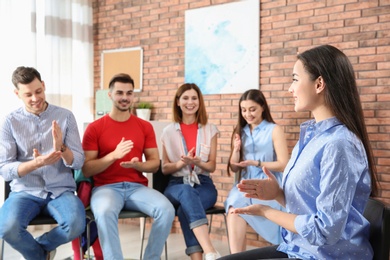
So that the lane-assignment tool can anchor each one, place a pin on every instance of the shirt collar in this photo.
(177, 126)
(259, 127)
(320, 126)
(47, 110)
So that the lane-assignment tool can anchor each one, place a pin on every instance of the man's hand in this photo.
(123, 148)
(57, 136)
(130, 164)
(48, 159)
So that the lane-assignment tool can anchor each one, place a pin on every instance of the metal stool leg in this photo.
(166, 250)
(2, 246)
(89, 238)
(227, 232)
(226, 228)
(142, 239)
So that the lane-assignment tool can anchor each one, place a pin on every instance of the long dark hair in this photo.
(257, 96)
(341, 94)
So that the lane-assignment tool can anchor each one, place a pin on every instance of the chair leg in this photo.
(142, 239)
(211, 222)
(227, 232)
(89, 240)
(2, 246)
(80, 245)
(226, 228)
(166, 250)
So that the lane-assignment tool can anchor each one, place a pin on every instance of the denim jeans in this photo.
(191, 204)
(108, 200)
(20, 208)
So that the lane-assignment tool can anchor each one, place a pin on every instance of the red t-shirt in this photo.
(190, 133)
(104, 134)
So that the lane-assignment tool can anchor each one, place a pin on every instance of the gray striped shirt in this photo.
(21, 132)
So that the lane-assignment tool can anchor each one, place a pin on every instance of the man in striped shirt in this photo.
(39, 146)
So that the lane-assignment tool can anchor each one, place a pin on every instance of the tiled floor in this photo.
(130, 240)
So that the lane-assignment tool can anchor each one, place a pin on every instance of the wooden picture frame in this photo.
(128, 60)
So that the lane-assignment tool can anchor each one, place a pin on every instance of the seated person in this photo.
(39, 147)
(114, 145)
(331, 173)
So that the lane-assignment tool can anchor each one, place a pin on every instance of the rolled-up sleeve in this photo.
(73, 142)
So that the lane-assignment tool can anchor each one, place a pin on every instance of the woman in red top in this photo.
(189, 155)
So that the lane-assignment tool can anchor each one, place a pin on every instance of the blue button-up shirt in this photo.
(327, 184)
(21, 132)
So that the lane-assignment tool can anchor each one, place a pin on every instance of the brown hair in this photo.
(201, 114)
(122, 78)
(24, 75)
(258, 97)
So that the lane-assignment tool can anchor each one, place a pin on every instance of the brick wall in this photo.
(360, 28)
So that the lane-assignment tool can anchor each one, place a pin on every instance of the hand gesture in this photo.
(57, 136)
(48, 159)
(237, 143)
(131, 163)
(190, 158)
(123, 148)
(255, 209)
(265, 189)
(243, 164)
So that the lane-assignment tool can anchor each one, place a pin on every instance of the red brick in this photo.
(360, 29)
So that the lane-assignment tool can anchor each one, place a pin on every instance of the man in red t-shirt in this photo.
(114, 146)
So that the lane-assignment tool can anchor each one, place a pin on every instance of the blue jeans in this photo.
(191, 204)
(20, 208)
(108, 200)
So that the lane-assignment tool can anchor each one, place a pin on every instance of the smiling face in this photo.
(122, 96)
(33, 96)
(305, 91)
(251, 112)
(189, 102)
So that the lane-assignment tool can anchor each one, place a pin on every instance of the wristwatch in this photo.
(258, 163)
(63, 148)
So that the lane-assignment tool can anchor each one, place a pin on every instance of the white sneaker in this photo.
(51, 254)
(212, 256)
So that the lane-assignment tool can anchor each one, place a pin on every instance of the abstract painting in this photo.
(222, 47)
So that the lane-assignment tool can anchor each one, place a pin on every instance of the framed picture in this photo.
(222, 47)
(127, 61)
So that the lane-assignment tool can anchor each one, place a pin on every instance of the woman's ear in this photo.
(320, 84)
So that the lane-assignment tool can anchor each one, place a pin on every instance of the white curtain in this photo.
(55, 37)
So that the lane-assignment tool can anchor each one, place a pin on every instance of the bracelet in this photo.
(258, 163)
(63, 148)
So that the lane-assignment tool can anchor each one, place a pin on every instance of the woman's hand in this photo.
(237, 143)
(245, 163)
(256, 209)
(190, 158)
(264, 189)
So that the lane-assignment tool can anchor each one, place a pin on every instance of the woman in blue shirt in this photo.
(256, 141)
(331, 173)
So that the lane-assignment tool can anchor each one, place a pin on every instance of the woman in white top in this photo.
(189, 155)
